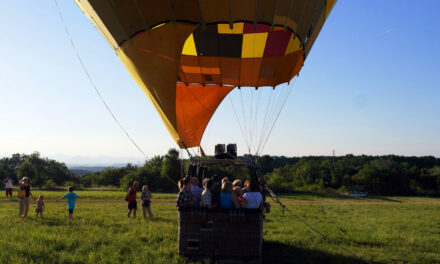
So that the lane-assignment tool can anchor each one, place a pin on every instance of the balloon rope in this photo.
(264, 123)
(244, 118)
(92, 83)
(238, 121)
(290, 88)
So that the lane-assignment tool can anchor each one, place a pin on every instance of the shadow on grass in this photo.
(308, 196)
(383, 198)
(276, 252)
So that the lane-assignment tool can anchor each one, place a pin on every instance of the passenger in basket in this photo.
(252, 198)
(246, 186)
(184, 198)
(225, 179)
(206, 201)
(236, 189)
(227, 198)
(237, 183)
(196, 191)
(216, 191)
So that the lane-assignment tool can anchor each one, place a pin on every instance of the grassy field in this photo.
(381, 230)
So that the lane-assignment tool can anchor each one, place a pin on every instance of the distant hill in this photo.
(80, 170)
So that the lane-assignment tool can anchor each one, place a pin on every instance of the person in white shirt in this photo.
(206, 200)
(252, 198)
(8, 186)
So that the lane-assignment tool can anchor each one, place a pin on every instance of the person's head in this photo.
(70, 188)
(194, 181)
(209, 184)
(135, 184)
(41, 197)
(237, 190)
(216, 179)
(237, 183)
(186, 182)
(145, 188)
(227, 187)
(247, 183)
(225, 179)
(205, 180)
(25, 180)
(180, 184)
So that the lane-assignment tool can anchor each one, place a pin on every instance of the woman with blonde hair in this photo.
(24, 191)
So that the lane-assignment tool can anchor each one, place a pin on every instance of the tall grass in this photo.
(381, 230)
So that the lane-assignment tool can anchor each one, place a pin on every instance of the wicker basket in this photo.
(221, 234)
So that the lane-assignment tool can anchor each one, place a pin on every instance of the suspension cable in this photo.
(239, 123)
(277, 200)
(289, 90)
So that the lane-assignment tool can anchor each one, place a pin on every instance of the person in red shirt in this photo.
(132, 203)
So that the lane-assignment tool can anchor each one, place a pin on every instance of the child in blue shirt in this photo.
(71, 197)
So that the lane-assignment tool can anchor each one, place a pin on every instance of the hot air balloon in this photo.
(187, 56)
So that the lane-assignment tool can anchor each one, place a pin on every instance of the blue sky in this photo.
(369, 86)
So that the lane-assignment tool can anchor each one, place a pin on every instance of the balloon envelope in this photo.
(187, 55)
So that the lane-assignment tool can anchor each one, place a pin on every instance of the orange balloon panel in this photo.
(195, 105)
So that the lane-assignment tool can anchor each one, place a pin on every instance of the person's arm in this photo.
(59, 199)
(30, 193)
(244, 201)
(234, 199)
(179, 199)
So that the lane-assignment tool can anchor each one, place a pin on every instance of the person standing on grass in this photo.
(23, 194)
(40, 206)
(132, 203)
(146, 202)
(71, 198)
(8, 187)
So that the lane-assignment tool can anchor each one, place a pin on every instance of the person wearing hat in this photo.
(23, 195)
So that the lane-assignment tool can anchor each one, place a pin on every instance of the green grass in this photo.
(381, 230)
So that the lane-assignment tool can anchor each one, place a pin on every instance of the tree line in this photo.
(382, 175)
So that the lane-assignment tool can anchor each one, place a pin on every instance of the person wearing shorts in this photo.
(71, 198)
(132, 203)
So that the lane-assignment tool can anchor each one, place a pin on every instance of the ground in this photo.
(380, 230)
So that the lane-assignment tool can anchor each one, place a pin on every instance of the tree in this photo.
(170, 169)
(40, 170)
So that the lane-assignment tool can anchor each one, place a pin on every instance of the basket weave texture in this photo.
(235, 234)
